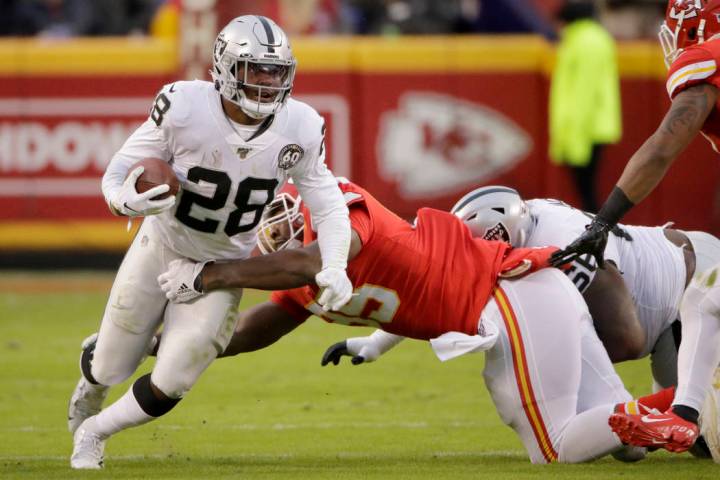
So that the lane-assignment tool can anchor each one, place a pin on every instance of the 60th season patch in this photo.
(290, 155)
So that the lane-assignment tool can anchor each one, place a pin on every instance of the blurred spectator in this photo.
(415, 17)
(634, 19)
(69, 18)
(309, 16)
(448, 16)
(512, 16)
(584, 97)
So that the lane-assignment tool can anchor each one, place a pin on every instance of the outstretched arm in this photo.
(292, 268)
(276, 271)
(681, 124)
(688, 112)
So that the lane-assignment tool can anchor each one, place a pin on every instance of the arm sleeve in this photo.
(285, 300)
(147, 141)
(320, 192)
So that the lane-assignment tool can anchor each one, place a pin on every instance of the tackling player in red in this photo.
(690, 38)
(434, 281)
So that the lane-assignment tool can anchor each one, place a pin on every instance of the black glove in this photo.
(592, 241)
(337, 350)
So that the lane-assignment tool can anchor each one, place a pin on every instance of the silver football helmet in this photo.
(253, 65)
(495, 213)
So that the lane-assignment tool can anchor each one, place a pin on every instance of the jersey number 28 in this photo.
(222, 183)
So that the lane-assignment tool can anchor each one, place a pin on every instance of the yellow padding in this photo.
(85, 56)
(432, 54)
(94, 235)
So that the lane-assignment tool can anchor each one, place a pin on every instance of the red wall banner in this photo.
(416, 121)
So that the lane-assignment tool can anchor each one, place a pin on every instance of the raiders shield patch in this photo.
(290, 155)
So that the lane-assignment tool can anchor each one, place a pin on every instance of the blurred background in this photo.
(424, 101)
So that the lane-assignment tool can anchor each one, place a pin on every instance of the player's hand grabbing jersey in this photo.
(418, 282)
(696, 65)
(226, 180)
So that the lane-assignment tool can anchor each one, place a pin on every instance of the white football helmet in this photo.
(282, 223)
(249, 47)
(495, 213)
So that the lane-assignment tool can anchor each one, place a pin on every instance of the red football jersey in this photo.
(416, 281)
(699, 64)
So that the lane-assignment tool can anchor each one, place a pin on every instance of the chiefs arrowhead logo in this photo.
(689, 7)
(436, 144)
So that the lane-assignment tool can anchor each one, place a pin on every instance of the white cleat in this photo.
(710, 418)
(88, 450)
(87, 398)
(86, 401)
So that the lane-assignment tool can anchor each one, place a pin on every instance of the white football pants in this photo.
(193, 333)
(548, 374)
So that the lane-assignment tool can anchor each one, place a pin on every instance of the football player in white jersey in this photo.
(654, 263)
(231, 142)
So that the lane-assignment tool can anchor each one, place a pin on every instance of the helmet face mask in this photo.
(253, 65)
(282, 224)
(687, 23)
(495, 213)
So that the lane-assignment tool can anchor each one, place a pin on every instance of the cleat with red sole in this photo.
(665, 430)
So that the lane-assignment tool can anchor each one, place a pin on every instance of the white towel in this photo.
(453, 344)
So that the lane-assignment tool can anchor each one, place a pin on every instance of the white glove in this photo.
(178, 282)
(133, 204)
(337, 288)
(361, 349)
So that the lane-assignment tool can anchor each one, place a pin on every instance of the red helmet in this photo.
(688, 22)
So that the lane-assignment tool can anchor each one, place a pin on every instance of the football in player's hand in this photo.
(157, 172)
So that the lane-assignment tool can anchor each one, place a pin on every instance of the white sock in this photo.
(124, 413)
(699, 353)
(588, 436)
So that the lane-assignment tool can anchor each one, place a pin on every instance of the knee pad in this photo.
(86, 358)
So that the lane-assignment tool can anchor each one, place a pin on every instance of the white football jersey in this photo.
(226, 181)
(652, 267)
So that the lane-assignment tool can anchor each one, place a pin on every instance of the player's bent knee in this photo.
(177, 370)
(110, 374)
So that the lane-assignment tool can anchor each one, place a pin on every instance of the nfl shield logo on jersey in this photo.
(242, 152)
(290, 155)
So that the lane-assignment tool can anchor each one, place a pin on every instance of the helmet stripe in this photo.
(474, 195)
(269, 33)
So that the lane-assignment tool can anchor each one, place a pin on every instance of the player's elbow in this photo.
(625, 348)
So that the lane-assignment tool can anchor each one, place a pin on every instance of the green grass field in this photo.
(274, 413)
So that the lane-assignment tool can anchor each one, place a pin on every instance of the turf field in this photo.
(274, 413)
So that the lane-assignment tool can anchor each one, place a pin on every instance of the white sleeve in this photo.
(147, 141)
(320, 192)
